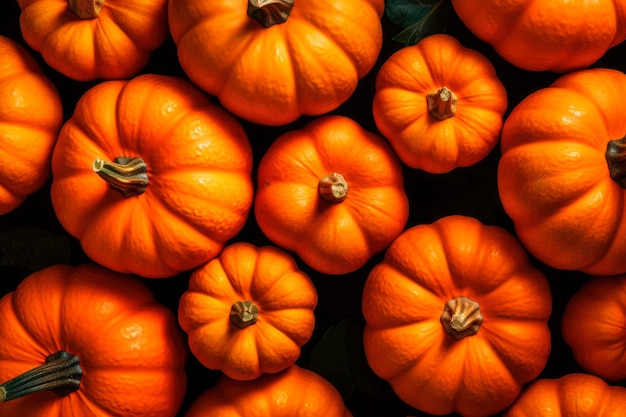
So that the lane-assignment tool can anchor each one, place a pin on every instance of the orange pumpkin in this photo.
(439, 104)
(456, 317)
(540, 35)
(272, 61)
(249, 311)
(94, 39)
(579, 395)
(294, 392)
(31, 114)
(151, 176)
(593, 326)
(561, 175)
(85, 341)
(332, 192)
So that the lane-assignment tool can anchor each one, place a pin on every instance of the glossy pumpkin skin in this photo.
(593, 326)
(199, 165)
(561, 148)
(264, 336)
(31, 114)
(439, 104)
(456, 317)
(294, 205)
(576, 394)
(308, 65)
(130, 348)
(294, 392)
(90, 39)
(540, 35)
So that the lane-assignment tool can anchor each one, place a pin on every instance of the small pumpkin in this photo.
(593, 326)
(94, 39)
(151, 176)
(272, 61)
(575, 394)
(31, 113)
(294, 392)
(561, 176)
(86, 341)
(248, 311)
(456, 317)
(439, 104)
(332, 192)
(541, 35)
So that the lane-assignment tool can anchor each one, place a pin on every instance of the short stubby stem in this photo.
(86, 9)
(616, 159)
(60, 373)
(129, 176)
(461, 317)
(270, 12)
(333, 188)
(244, 314)
(441, 103)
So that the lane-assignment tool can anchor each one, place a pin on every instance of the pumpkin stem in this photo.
(333, 188)
(461, 317)
(270, 12)
(61, 374)
(244, 314)
(86, 9)
(126, 175)
(441, 103)
(616, 159)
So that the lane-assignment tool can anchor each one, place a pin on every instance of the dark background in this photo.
(31, 237)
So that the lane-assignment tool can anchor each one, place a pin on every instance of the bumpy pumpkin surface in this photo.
(101, 343)
(540, 35)
(31, 114)
(439, 104)
(151, 176)
(456, 317)
(272, 61)
(561, 177)
(248, 311)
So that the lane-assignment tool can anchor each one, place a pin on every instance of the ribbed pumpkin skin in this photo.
(31, 114)
(553, 177)
(308, 65)
(130, 348)
(540, 35)
(403, 302)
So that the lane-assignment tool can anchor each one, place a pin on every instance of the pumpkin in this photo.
(541, 35)
(151, 176)
(249, 311)
(294, 392)
(86, 341)
(94, 39)
(456, 317)
(31, 114)
(439, 104)
(575, 394)
(593, 326)
(561, 175)
(332, 192)
(270, 62)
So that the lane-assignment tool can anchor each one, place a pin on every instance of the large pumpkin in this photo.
(541, 35)
(31, 114)
(332, 192)
(95, 39)
(272, 61)
(249, 311)
(85, 341)
(456, 317)
(151, 176)
(562, 174)
(439, 104)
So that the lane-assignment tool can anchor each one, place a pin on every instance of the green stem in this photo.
(126, 175)
(270, 12)
(616, 159)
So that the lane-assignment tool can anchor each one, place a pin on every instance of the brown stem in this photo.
(61, 374)
(616, 159)
(127, 175)
(441, 103)
(333, 188)
(244, 314)
(86, 9)
(270, 12)
(461, 317)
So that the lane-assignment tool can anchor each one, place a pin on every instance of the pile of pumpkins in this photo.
(259, 151)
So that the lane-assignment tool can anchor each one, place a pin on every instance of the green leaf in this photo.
(418, 18)
(33, 248)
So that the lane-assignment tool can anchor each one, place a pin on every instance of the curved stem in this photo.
(461, 317)
(127, 175)
(61, 373)
(616, 159)
(270, 12)
(86, 9)
(441, 103)
(333, 188)
(244, 314)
